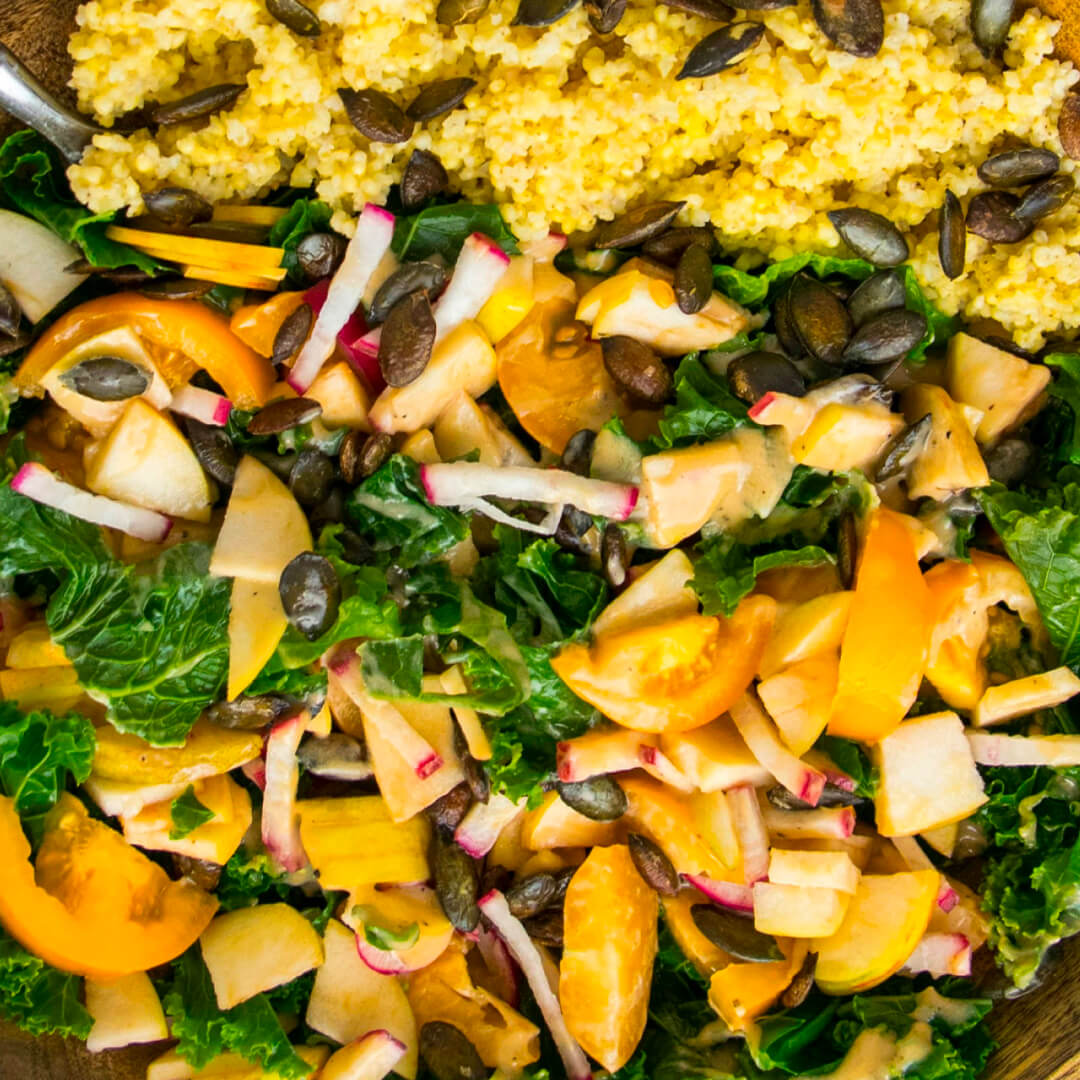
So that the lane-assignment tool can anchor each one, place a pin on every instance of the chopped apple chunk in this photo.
(125, 1011)
(1059, 751)
(814, 869)
(798, 911)
(1020, 697)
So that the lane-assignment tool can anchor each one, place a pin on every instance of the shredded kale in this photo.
(303, 218)
(442, 230)
(186, 814)
(37, 997)
(704, 406)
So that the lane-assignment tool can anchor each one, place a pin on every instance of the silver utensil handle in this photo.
(27, 100)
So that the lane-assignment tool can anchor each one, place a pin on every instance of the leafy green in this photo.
(382, 937)
(248, 879)
(704, 406)
(390, 510)
(851, 758)
(186, 814)
(441, 230)
(728, 570)
(37, 752)
(250, 1029)
(32, 182)
(303, 218)
(1066, 389)
(152, 645)
(1041, 534)
(37, 997)
(291, 998)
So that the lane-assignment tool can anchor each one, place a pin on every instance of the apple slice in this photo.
(280, 821)
(825, 822)
(254, 949)
(798, 911)
(814, 869)
(344, 399)
(715, 757)
(760, 735)
(202, 405)
(264, 528)
(751, 830)
(33, 264)
(656, 763)
(117, 798)
(888, 915)
(257, 622)
(661, 593)
(1020, 697)
(729, 894)
(799, 698)
(370, 1057)
(399, 908)
(171, 1066)
(553, 824)
(809, 629)
(598, 753)
(1059, 751)
(125, 1011)
(481, 826)
(939, 955)
(712, 814)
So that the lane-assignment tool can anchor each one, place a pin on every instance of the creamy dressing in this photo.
(930, 1005)
(877, 1055)
(396, 511)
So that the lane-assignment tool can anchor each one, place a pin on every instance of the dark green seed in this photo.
(214, 449)
(449, 810)
(374, 454)
(456, 884)
(605, 15)
(167, 288)
(542, 12)
(408, 337)
(783, 324)
(177, 206)
(1015, 168)
(886, 337)
(721, 49)
(195, 106)
(572, 530)
(408, 278)
(636, 226)
(123, 276)
(598, 798)
(546, 928)
(1069, 126)
(800, 987)
(759, 373)
(319, 254)
(714, 10)
(952, 237)
(613, 555)
(992, 215)
(904, 449)
(880, 292)
(870, 236)
(531, 895)
(349, 457)
(424, 177)
(250, 712)
(819, 318)
(990, 24)
(10, 312)
(441, 96)
(310, 594)
(847, 550)
(283, 415)
(562, 883)
(329, 511)
(376, 115)
(577, 454)
(106, 378)
(476, 778)
(460, 12)
(636, 369)
(323, 755)
(1010, 461)
(735, 934)
(1045, 199)
(311, 477)
(201, 872)
(655, 868)
(856, 26)
(12, 344)
(693, 280)
(765, 5)
(299, 19)
(279, 464)
(668, 246)
(292, 334)
(449, 1054)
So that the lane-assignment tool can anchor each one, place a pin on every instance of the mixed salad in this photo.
(423, 655)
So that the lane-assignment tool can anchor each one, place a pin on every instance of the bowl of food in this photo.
(539, 540)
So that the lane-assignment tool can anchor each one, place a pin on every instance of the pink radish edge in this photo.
(947, 897)
(499, 962)
(280, 828)
(725, 893)
(383, 961)
(202, 405)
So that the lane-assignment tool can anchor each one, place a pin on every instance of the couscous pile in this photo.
(566, 127)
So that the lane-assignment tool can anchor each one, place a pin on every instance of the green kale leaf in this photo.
(704, 407)
(37, 997)
(186, 814)
(1065, 389)
(442, 230)
(303, 218)
(851, 758)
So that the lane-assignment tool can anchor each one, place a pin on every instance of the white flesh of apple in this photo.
(1057, 750)
(33, 264)
(712, 815)
(663, 592)
(125, 1011)
(714, 757)
(822, 823)
(1020, 697)
(798, 910)
(815, 869)
(120, 799)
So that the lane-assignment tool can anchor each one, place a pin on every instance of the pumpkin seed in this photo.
(547, 928)
(177, 206)
(292, 334)
(952, 237)
(992, 215)
(857, 26)
(250, 712)
(441, 96)
(170, 288)
(214, 449)
(721, 49)
(655, 868)
(759, 373)
(448, 811)
(106, 378)
(886, 337)
(195, 106)
(408, 336)
(637, 225)
(531, 895)
(542, 12)
(476, 778)
(449, 1054)
(847, 550)
(990, 23)
(870, 236)
(693, 280)
(121, 275)
(424, 177)
(330, 511)
(831, 795)
(311, 477)
(1010, 461)
(10, 312)
(460, 12)
(283, 415)
(1015, 168)
(354, 548)
(668, 246)
(819, 318)
(301, 20)
(1045, 199)
(562, 883)
(1069, 126)
(636, 369)
(325, 753)
(613, 555)
(714, 10)
(349, 457)
(577, 454)
(310, 594)
(784, 326)
(374, 454)
(572, 529)
(201, 872)
(455, 883)
(319, 254)
(904, 449)
(376, 115)
(408, 278)
(599, 798)
(880, 292)
(765, 5)
(799, 988)
(735, 934)
(605, 15)
(13, 344)
(279, 464)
